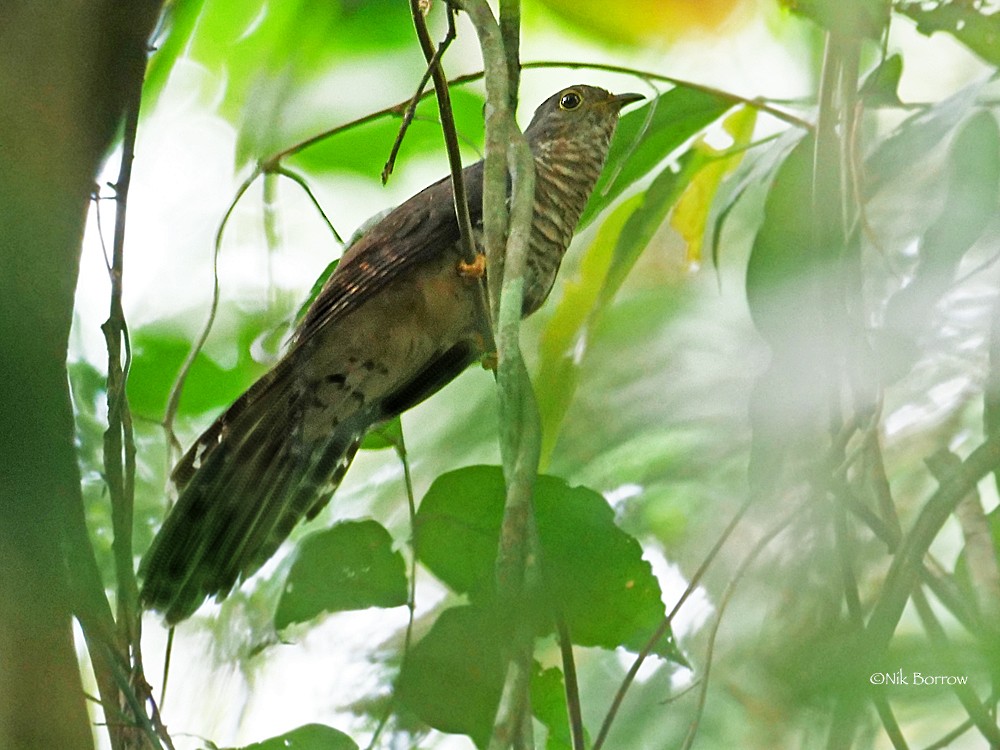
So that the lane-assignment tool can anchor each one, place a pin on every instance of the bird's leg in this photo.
(489, 361)
(474, 270)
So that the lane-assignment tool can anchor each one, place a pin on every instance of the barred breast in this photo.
(565, 174)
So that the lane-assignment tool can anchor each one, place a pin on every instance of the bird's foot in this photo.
(474, 270)
(489, 361)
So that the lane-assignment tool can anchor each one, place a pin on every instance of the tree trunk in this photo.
(65, 68)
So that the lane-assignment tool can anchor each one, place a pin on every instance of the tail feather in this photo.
(243, 486)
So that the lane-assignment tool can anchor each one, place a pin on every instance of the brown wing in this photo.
(412, 233)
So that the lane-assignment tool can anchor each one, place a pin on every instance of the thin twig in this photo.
(119, 456)
(758, 104)
(573, 707)
(124, 658)
(399, 108)
(302, 183)
(173, 400)
(665, 625)
(978, 712)
(433, 64)
(727, 595)
(411, 602)
(951, 736)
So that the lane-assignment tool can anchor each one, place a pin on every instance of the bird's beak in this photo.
(620, 100)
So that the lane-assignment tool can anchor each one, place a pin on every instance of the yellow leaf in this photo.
(691, 212)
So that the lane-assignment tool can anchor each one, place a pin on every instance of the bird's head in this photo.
(578, 112)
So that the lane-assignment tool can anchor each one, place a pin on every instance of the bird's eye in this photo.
(570, 100)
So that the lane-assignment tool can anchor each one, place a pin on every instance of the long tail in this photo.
(244, 485)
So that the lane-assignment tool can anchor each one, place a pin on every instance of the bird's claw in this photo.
(489, 361)
(474, 270)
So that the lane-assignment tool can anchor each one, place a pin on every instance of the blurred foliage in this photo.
(308, 737)
(969, 22)
(848, 18)
(842, 338)
(646, 20)
(364, 149)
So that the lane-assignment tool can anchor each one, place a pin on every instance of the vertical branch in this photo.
(123, 658)
(119, 445)
(119, 442)
(461, 201)
(510, 30)
(520, 438)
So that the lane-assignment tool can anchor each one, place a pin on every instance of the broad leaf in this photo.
(453, 677)
(228, 365)
(916, 136)
(971, 204)
(975, 29)
(881, 86)
(756, 172)
(307, 737)
(386, 435)
(785, 285)
(783, 253)
(593, 573)
(349, 566)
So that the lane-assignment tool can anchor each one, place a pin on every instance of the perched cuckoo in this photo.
(395, 322)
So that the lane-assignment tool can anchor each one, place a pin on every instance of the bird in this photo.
(394, 323)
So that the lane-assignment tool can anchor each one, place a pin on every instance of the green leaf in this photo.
(386, 435)
(852, 18)
(881, 86)
(453, 677)
(782, 253)
(978, 31)
(917, 136)
(316, 288)
(348, 566)
(266, 52)
(971, 204)
(753, 172)
(307, 737)
(548, 704)
(593, 572)
(785, 278)
(638, 146)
